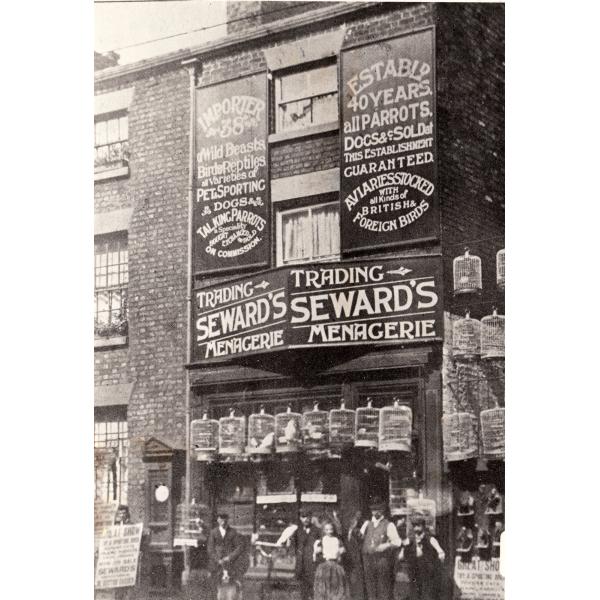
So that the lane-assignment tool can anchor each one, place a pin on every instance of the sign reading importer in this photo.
(329, 304)
(388, 167)
(231, 223)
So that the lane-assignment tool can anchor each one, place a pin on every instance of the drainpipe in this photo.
(191, 65)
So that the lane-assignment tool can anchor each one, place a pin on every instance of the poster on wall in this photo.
(388, 157)
(118, 556)
(231, 208)
(479, 579)
(328, 305)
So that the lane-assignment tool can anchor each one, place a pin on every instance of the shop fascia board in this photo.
(320, 15)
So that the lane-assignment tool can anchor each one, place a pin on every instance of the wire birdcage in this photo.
(492, 336)
(467, 273)
(500, 277)
(232, 435)
(288, 431)
(367, 426)
(395, 428)
(459, 431)
(466, 338)
(492, 432)
(315, 430)
(341, 427)
(261, 433)
(204, 438)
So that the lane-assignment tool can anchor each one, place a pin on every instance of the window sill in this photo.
(111, 173)
(285, 136)
(118, 340)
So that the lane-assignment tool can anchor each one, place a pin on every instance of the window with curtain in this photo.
(111, 441)
(111, 141)
(110, 293)
(305, 98)
(308, 234)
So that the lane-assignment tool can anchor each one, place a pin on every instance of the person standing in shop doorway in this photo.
(304, 537)
(424, 557)
(379, 540)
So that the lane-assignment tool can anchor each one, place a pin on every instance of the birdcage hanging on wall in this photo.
(467, 274)
(492, 432)
(367, 426)
(261, 433)
(459, 433)
(315, 430)
(500, 278)
(466, 338)
(288, 431)
(492, 336)
(232, 435)
(395, 428)
(204, 438)
(341, 427)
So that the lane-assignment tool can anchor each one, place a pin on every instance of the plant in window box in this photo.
(117, 327)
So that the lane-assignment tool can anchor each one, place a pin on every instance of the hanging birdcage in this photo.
(492, 432)
(341, 427)
(492, 336)
(395, 428)
(232, 435)
(500, 278)
(367, 426)
(288, 431)
(459, 431)
(315, 430)
(204, 438)
(261, 433)
(467, 273)
(466, 338)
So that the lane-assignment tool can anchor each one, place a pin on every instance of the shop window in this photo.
(306, 98)
(308, 234)
(111, 141)
(110, 434)
(110, 288)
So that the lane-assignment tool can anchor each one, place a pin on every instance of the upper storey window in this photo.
(306, 98)
(111, 141)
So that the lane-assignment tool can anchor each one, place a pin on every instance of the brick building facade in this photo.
(142, 191)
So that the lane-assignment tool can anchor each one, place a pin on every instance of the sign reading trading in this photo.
(371, 302)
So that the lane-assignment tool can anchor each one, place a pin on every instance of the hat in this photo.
(223, 515)
(305, 512)
(377, 504)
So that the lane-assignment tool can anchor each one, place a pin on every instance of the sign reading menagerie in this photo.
(388, 167)
(231, 222)
(330, 304)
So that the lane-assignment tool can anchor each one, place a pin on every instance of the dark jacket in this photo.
(427, 565)
(305, 544)
(232, 546)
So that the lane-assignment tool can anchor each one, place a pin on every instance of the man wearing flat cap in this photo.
(304, 535)
(225, 550)
(379, 540)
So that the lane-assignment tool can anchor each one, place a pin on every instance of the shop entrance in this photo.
(374, 483)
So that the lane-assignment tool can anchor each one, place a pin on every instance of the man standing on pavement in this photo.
(379, 540)
(225, 550)
(304, 536)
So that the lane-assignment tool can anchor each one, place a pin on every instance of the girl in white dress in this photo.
(330, 578)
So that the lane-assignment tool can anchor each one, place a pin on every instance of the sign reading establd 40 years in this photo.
(329, 304)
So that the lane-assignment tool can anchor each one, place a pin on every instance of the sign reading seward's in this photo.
(231, 208)
(328, 304)
(388, 164)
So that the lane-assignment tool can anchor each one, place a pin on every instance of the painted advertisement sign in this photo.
(118, 556)
(329, 304)
(231, 222)
(479, 579)
(388, 163)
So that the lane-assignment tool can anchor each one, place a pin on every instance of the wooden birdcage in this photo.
(466, 338)
(315, 430)
(261, 433)
(467, 274)
(500, 278)
(341, 427)
(204, 438)
(288, 431)
(459, 431)
(492, 336)
(395, 428)
(492, 432)
(367, 426)
(232, 435)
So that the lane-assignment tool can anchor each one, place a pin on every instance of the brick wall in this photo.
(470, 119)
